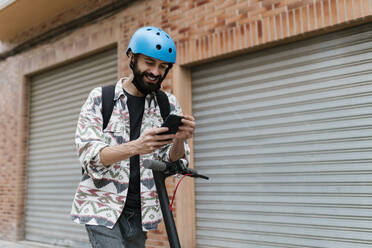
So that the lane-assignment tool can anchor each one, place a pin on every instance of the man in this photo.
(117, 199)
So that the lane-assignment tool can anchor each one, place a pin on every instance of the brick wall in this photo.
(11, 171)
(239, 25)
(203, 30)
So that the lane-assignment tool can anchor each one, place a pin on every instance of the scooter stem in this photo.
(170, 226)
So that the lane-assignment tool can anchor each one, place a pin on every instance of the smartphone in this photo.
(172, 122)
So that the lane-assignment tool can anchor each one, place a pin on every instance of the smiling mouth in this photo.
(151, 78)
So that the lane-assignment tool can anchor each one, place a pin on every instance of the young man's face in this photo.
(149, 71)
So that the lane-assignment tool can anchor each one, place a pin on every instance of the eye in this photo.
(163, 66)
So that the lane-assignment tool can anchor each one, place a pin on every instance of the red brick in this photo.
(174, 8)
(201, 2)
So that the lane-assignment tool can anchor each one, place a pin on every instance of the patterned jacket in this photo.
(101, 194)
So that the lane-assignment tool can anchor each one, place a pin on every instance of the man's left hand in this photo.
(186, 130)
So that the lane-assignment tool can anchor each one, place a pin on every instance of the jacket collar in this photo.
(119, 88)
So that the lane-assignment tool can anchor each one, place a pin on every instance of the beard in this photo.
(139, 80)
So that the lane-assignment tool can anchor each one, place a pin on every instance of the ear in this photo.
(130, 55)
(131, 59)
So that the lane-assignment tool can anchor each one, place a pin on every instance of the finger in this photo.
(161, 144)
(188, 117)
(161, 130)
(165, 137)
(164, 143)
(184, 136)
(188, 122)
(157, 130)
(153, 146)
(186, 129)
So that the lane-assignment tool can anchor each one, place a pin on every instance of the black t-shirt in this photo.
(136, 106)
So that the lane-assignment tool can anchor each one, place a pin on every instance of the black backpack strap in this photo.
(163, 102)
(108, 93)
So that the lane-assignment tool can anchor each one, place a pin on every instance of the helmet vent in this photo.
(149, 29)
(158, 33)
(170, 50)
(167, 36)
(158, 46)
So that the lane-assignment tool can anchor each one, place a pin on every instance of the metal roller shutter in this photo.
(286, 136)
(53, 169)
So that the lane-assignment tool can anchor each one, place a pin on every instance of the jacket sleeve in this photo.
(89, 138)
(175, 109)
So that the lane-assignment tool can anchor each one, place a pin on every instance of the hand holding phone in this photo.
(172, 122)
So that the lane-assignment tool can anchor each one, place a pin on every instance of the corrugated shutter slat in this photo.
(285, 136)
(53, 170)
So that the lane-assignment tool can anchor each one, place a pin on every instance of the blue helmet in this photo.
(153, 42)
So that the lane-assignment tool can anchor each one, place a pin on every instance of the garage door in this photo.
(286, 136)
(53, 169)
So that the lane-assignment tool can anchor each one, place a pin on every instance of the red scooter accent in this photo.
(175, 191)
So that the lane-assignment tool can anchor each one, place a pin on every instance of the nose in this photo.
(155, 70)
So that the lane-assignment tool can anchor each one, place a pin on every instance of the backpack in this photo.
(108, 93)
